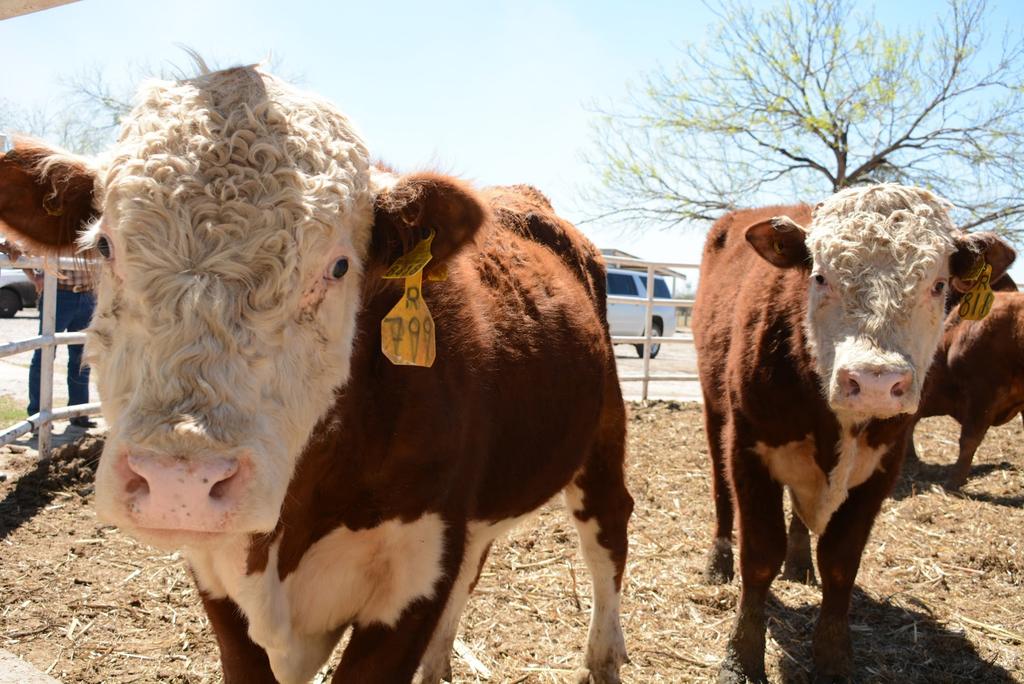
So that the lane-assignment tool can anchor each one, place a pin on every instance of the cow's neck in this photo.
(856, 460)
(821, 467)
(381, 549)
(375, 574)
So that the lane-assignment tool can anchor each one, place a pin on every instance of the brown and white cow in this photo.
(814, 331)
(254, 420)
(978, 376)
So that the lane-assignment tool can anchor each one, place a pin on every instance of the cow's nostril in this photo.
(135, 481)
(220, 488)
(172, 492)
(137, 485)
(901, 386)
(848, 383)
(180, 479)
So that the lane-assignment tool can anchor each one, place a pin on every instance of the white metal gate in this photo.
(48, 342)
(652, 267)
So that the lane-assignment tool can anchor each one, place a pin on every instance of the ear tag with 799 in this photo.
(407, 332)
(977, 301)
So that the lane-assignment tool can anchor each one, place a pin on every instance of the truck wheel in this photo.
(655, 347)
(10, 303)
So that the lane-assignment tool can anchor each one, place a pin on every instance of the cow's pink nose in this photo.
(170, 493)
(870, 384)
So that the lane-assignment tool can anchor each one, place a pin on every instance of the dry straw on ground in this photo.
(940, 597)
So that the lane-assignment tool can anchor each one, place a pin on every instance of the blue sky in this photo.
(496, 92)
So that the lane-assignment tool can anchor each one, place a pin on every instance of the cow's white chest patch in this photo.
(363, 576)
(817, 495)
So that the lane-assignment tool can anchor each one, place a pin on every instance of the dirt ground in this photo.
(940, 597)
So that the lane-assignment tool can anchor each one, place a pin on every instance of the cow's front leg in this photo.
(911, 458)
(242, 660)
(972, 434)
(391, 654)
(839, 553)
(762, 531)
(718, 569)
(600, 506)
(436, 662)
(798, 566)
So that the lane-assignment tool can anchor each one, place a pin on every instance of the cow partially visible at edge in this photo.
(977, 377)
(814, 332)
(254, 419)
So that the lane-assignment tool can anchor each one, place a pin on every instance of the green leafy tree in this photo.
(812, 96)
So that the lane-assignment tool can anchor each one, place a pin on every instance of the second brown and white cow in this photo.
(977, 377)
(255, 420)
(814, 331)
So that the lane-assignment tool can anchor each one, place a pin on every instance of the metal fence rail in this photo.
(648, 338)
(47, 342)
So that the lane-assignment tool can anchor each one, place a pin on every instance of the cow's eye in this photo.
(338, 269)
(939, 287)
(104, 247)
(818, 278)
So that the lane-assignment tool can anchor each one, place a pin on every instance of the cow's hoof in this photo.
(799, 571)
(953, 484)
(436, 675)
(598, 676)
(719, 565)
(833, 652)
(731, 672)
(603, 663)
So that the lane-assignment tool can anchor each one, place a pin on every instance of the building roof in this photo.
(615, 252)
(15, 8)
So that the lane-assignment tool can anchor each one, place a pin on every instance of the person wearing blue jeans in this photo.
(75, 304)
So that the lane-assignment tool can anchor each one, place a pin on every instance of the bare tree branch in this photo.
(805, 98)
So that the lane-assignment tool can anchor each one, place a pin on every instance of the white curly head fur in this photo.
(225, 199)
(881, 250)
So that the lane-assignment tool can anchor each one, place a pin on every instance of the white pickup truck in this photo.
(16, 292)
(628, 319)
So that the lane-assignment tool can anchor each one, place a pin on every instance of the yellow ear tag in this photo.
(407, 332)
(977, 301)
(777, 246)
(412, 263)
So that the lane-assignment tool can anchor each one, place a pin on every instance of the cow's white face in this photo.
(241, 225)
(876, 297)
(237, 216)
(878, 262)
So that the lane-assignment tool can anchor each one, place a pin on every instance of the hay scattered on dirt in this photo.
(940, 596)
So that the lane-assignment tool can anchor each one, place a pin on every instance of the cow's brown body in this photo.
(978, 376)
(413, 471)
(760, 387)
(489, 433)
(255, 421)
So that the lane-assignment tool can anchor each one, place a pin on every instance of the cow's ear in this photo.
(973, 251)
(780, 241)
(46, 196)
(406, 212)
